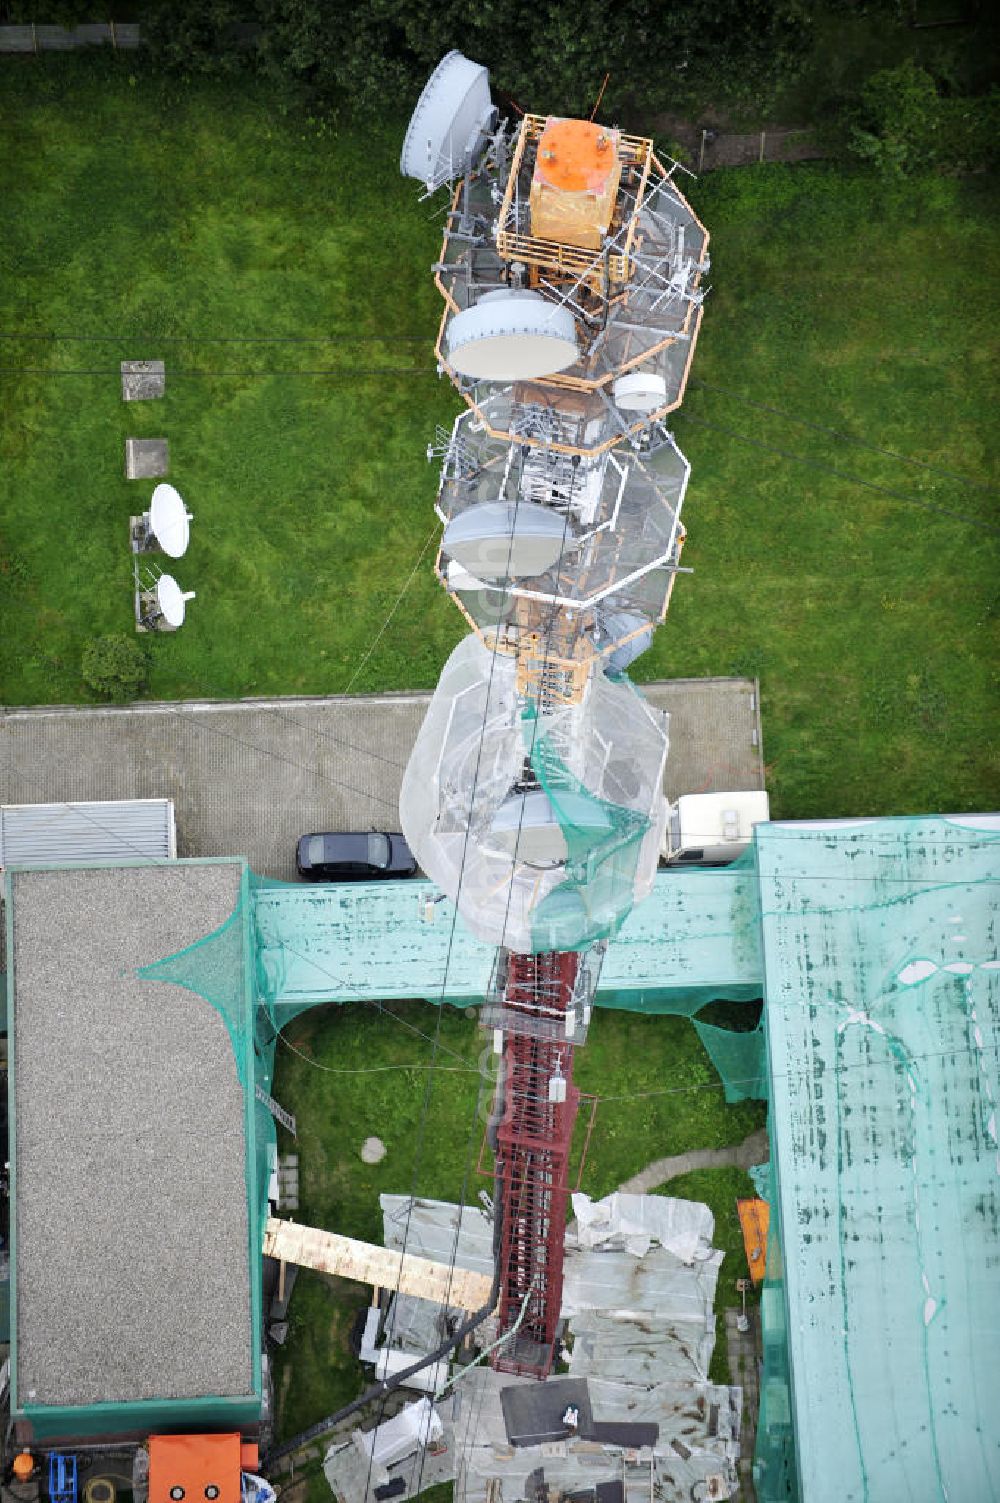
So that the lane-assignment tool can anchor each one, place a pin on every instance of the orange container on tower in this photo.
(575, 183)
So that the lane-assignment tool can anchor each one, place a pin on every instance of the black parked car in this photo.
(353, 857)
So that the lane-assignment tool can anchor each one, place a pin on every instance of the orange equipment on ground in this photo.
(24, 1465)
(755, 1216)
(575, 183)
(196, 1468)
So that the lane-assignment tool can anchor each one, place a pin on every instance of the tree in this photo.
(115, 667)
(903, 124)
(373, 59)
(898, 123)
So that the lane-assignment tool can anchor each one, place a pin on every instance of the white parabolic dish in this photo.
(526, 826)
(172, 600)
(450, 119)
(499, 539)
(640, 391)
(168, 521)
(512, 336)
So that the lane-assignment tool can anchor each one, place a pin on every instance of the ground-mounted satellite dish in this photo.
(453, 116)
(615, 627)
(640, 391)
(167, 521)
(171, 600)
(501, 539)
(512, 335)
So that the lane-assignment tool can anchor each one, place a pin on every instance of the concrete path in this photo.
(745, 1352)
(249, 776)
(753, 1150)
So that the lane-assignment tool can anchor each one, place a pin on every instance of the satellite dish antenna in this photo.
(527, 827)
(527, 823)
(614, 627)
(460, 579)
(167, 521)
(512, 335)
(171, 600)
(497, 539)
(640, 391)
(453, 116)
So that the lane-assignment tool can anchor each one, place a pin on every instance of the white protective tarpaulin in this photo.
(632, 1223)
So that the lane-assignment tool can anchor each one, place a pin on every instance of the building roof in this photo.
(133, 1277)
(696, 932)
(883, 1005)
(107, 830)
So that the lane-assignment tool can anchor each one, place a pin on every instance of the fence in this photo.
(121, 35)
(703, 148)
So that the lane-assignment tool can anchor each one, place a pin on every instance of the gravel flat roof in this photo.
(132, 1266)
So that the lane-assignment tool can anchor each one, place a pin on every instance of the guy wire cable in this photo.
(387, 1385)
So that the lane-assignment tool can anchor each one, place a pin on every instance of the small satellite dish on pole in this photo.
(172, 600)
(504, 539)
(160, 603)
(512, 335)
(452, 119)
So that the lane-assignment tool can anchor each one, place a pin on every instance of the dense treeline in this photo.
(378, 53)
(697, 59)
(368, 55)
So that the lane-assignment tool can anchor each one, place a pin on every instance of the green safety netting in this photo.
(876, 946)
(215, 968)
(222, 968)
(604, 843)
(739, 1057)
(774, 1468)
(882, 981)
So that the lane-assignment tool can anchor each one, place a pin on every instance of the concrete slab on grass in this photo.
(146, 458)
(142, 380)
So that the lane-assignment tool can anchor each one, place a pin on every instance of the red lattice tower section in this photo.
(533, 1147)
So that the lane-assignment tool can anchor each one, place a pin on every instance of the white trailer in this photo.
(712, 829)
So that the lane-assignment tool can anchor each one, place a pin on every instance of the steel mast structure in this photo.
(571, 272)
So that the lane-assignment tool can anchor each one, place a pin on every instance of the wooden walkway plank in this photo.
(366, 1263)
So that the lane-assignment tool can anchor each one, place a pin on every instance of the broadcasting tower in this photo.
(572, 277)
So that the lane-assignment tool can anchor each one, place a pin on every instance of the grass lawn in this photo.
(872, 620)
(169, 218)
